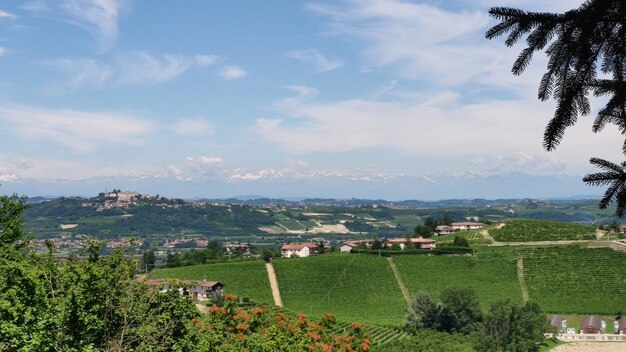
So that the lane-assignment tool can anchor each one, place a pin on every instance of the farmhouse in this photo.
(464, 226)
(621, 326)
(300, 250)
(622, 229)
(198, 290)
(592, 325)
(444, 230)
(419, 243)
(559, 322)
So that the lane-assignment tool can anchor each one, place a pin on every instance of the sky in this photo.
(281, 98)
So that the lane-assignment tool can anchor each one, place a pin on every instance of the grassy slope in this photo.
(248, 279)
(359, 288)
(492, 276)
(575, 280)
(535, 230)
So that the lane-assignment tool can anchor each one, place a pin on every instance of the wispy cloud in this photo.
(206, 60)
(81, 131)
(99, 17)
(193, 127)
(139, 68)
(230, 73)
(315, 58)
(421, 42)
(6, 15)
(201, 167)
(3, 51)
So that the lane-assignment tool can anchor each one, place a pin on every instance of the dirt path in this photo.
(396, 273)
(486, 234)
(591, 347)
(537, 243)
(271, 274)
(521, 279)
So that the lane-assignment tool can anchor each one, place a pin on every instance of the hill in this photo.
(363, 287)
(536, 230)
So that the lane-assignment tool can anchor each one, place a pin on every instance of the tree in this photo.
(421, 313)
(509, 327)
(429, 222)
(460, 241)
(377, 244)
(148, 261)
(460, 310)
(423, 231)
(446, 219)
(577, 43)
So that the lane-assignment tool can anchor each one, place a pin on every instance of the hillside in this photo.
(536, 230)
(363, 287)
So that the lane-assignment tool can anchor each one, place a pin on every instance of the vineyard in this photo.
(473, 237)
(247, 279)
(535, 230)
(353, 287)
(492, 276)
(575, 280)
(363, 288)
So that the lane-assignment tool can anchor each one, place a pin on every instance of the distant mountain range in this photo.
(392, 188)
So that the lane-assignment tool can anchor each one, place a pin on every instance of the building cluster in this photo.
(591, 324)
(308, 249)
(458, 226)
(197, 290)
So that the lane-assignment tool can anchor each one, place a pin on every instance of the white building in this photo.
(299, 250)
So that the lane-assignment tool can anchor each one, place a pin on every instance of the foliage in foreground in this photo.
(506, 326)
(96, 305)
(430, 340)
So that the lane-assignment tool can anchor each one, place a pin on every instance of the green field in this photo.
(536, 230)
(492, 276)
(562, 279)
(353, 287)
(248, 279)
(575, 280)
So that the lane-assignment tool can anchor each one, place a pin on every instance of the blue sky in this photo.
(279, 98)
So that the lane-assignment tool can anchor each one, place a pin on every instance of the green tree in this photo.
(377, 244)
(460, 241)
(460, 310)
(421, 313)
(509, 327)
(423, 231)
(446, 219)
(429, 222)
(148, 261)
(577, 43)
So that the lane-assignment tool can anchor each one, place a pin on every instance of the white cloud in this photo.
(422, 42)
(206, 60)
(3, 51)
(98, 17)
(6, 15)
(230, 73)
(313, 57)
(197, 168)
(439, 126)
(139, 68)
(79, 130)
(193, 127)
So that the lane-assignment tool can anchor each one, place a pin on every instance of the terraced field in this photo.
(493, 276)
(536, 230)
(575, 280)
(247, 279)
(353, 287)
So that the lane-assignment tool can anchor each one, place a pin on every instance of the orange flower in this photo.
(243, 327)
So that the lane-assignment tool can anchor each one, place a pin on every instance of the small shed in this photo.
(559, 322)
(444, 230)
(346, 248)
(592, 324)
